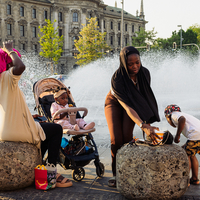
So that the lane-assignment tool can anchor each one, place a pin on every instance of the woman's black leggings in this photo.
(52, 143)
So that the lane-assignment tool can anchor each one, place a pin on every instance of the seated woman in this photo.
(17, 123)
(61, 101)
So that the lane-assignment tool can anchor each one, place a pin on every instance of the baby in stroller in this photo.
(61, 102)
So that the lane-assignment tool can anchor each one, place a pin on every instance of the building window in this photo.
(139, 29)
(111, 25)
(90, 16)
(34, 31)
(45, 14)
(9, 31)
(22, 46)
(22, 11)
(35, 48)
(60, 17)
(34, 13)
(119, 25)
(133, 28)
(126, 27)
(60, 32)
(9, 9)
(111, 40)
(75, 17)
(104, 24)
(21, 30)
(119, 41)
(73, 46)
(98, 22)
(126, 41)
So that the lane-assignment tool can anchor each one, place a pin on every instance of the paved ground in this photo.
(90, 188)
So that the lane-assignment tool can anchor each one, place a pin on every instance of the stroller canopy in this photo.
(45, 87)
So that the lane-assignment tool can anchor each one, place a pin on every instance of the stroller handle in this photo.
(71, 109)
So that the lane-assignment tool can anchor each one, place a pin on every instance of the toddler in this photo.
(61, 101)
(190, 128)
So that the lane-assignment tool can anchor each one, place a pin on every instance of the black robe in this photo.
(143, 100)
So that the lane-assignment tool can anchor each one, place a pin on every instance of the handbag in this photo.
(45, 176)
(165, 138)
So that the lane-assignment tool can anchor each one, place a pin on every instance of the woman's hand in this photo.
(36, 116)
(150, 131)
(7, 46)
(17, 64)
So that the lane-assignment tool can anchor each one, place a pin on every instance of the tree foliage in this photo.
(50, 41)
(188, 37)
(91, 43)
(144, 37)
(196, 28)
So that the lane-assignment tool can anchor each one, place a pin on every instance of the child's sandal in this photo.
(194, 182)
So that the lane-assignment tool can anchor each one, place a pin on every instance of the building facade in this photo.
(20, 21)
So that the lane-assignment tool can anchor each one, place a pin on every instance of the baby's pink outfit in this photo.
(65, 123)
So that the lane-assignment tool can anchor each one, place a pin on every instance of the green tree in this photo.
(51, 43)
(91, 43)
(144, 37)
(188, 37)
(196, 28)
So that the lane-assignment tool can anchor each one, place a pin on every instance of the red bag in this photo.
(45, 177)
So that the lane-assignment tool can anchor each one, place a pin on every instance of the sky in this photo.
(164, 15)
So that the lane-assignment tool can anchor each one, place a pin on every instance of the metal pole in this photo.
(180, 36)
(122, 25)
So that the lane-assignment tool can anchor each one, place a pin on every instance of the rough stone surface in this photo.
(17, 163)
(149, 172)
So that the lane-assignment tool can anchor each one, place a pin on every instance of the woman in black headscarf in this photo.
(129, 102)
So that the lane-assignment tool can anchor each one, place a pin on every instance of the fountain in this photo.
(174, 79)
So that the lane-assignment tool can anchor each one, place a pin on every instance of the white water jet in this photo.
(174, 80)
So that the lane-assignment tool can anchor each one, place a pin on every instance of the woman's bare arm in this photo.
(18, 65)
(149, 130)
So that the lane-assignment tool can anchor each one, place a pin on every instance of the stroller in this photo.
(81, 148)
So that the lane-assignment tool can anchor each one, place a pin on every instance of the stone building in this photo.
(19, 21)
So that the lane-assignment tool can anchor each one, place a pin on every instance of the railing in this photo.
(191, 44)
(175, 45)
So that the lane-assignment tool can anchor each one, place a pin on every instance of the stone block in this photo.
(17, 163)
(152, 172)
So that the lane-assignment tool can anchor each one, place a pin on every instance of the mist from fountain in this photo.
(174, 80)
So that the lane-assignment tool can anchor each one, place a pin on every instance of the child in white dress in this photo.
(61, 101)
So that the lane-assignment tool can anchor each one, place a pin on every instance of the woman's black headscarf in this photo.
(143, 100)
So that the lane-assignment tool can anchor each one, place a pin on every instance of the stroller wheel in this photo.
(100, 169)
(78, 174)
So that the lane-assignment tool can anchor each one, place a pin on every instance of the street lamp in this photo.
(181, 37)
(122, 24)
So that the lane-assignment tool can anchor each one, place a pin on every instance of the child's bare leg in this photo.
(89, 126)
(82, 124)
(194, 166)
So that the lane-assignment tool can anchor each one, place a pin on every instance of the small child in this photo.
(190, 128)
(61, 101)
